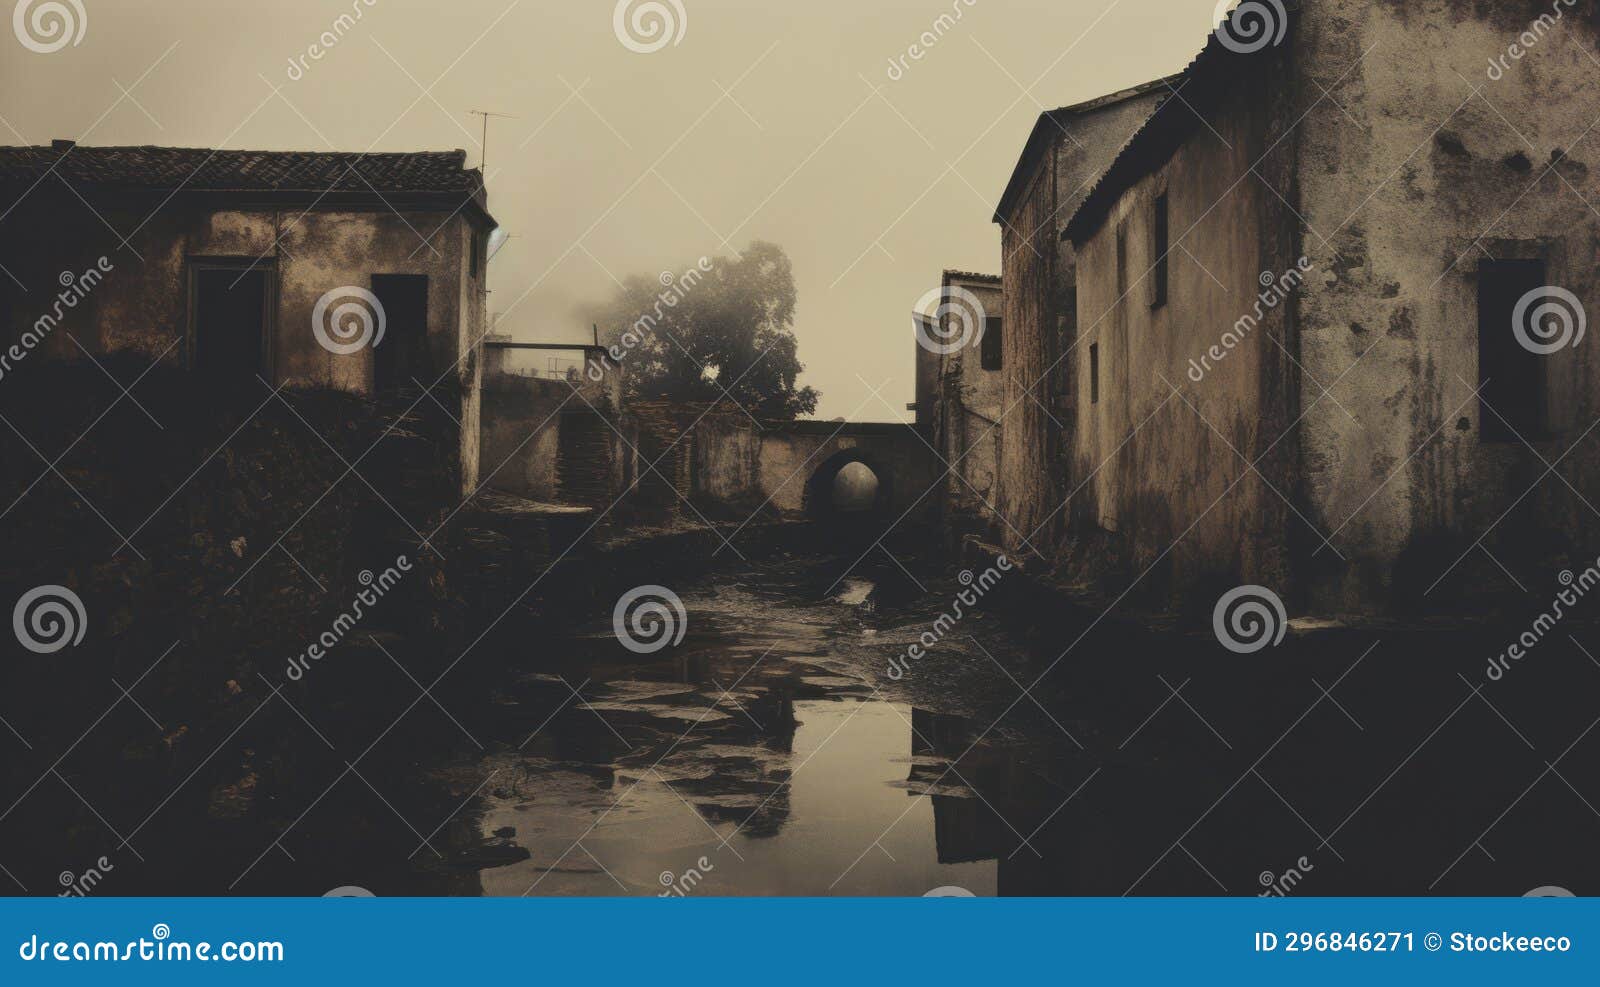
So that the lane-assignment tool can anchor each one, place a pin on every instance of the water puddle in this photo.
(833, 813)
(758, 758)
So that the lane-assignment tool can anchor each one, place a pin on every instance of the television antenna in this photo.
(483, 148)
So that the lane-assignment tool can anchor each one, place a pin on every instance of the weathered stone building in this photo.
(1319, 324)
(968, 395)
(360, 272)
(1066, 151)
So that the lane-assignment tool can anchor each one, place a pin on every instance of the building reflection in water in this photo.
(989, 803)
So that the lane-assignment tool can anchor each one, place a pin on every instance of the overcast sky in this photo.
(761, 122)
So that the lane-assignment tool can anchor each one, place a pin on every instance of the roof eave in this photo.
(1114, 181)
(472, 205)
(1040, 137)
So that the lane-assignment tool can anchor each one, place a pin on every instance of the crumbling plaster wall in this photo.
(1029, 487)
(473, 325)
(727, 458)
(1402, 175)
(973, 400)
(1169, 495)
(1037, 272)
(786, 463)
(521, 432)
(142, 303)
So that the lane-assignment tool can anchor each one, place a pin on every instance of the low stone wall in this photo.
(550, 441)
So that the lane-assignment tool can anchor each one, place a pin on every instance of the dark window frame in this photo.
(1511, 378)
(1160, 247)
(194, 265)
(385, 362)
(1122, 261)
(992, 346)
(1094, 373)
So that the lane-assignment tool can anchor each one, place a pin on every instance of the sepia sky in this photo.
(760, 123)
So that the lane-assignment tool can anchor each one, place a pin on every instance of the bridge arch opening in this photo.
(849, 484)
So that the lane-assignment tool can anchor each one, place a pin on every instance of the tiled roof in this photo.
(953, 275)
(204, 170)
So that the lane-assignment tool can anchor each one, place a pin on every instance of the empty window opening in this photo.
(1159, 249)
(1122, 261)
(401, 359)
(1094, 373)
(1511, 375)
(229, 322)
(993, 343)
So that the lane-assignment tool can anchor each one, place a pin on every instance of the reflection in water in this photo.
(997, 810)
(840, 827)
(760, 758)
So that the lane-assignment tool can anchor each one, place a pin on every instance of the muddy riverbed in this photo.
(795, 742)
(770, 752)
(787, 746)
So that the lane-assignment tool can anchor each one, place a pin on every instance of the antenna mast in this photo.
(483, 148)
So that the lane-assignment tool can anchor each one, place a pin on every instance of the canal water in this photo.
(772, 752)
(838, 724)
(793, 744)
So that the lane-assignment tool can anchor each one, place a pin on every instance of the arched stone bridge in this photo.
(570, 439)
(798, 462)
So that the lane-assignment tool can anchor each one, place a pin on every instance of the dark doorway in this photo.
(230, 320)
(1511, 373)
(402, 357)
